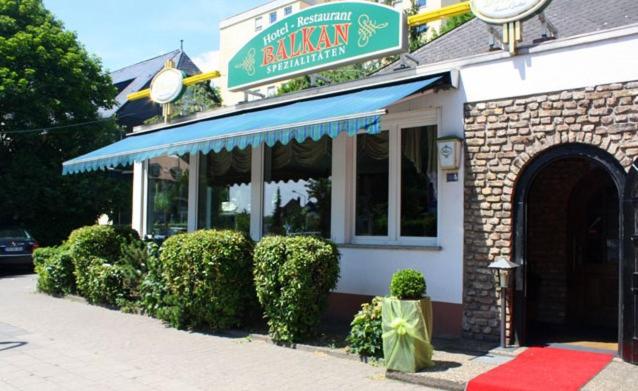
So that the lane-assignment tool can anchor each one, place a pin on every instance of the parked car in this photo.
(16, 247)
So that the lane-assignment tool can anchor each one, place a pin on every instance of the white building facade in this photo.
(559, 118)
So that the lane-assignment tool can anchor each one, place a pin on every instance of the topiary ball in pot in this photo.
(408, 284)
(407, 323)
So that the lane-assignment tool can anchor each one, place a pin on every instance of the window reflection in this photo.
(167, 196)
(418, 181)
(224, 190)
(372, 184)
(297, 188)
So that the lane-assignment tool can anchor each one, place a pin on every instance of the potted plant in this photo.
(407, 323)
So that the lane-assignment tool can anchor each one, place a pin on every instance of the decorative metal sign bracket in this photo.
(512, 35)
(550, 30)
(248, 93)
(495, 38)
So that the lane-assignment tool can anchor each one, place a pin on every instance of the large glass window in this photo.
(167, 196)
(418, 181)
(297, 188)
(372, 184)
(224, 190)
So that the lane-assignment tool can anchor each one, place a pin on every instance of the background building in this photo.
(237, 30)
(137, 77)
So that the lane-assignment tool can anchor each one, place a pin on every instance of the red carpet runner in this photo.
(542, 369)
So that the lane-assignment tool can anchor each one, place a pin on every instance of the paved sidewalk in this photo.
(56, 344)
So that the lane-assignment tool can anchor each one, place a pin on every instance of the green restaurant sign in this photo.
(317, 38)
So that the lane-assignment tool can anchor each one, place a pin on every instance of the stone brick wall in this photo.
(501, 138)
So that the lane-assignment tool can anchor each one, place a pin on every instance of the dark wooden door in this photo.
(629, 275)
(593, 270)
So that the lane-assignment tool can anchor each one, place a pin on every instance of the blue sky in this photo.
(123, 32)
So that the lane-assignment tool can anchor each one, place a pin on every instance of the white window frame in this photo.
(259, 23)
(257, 222)
(193, 176)
(394, 123)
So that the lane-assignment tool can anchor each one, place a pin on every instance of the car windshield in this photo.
(14, 233)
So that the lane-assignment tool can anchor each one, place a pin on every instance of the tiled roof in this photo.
(570, 17)
(138, 76)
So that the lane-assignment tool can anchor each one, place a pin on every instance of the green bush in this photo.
(408, 284)
(118, 284)
(101, 241)
(153, 290)
(293, 277)
(106, 283)
(55, 270)
(208, 276)
(365, 338)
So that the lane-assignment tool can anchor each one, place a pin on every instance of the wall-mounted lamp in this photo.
(449, 149)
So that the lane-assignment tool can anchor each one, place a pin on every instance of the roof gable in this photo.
(570, 17)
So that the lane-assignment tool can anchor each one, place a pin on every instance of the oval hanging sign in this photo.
(167, 85)
(506, 11)
(317, 38)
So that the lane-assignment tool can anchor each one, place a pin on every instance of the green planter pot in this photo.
(407, 328)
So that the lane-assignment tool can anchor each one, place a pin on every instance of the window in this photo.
(258, 24)
(418, 182)
(372, 184)
(288, 10)
(297, 188)
(421, 3)
(395, 197)
(273, 17)
(272, 91)
(224, 190)
(167, 196)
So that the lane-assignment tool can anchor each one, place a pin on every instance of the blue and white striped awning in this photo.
(312, 118)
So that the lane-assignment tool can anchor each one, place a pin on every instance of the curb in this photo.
(440, 384)
(338, 353)
(75, 299)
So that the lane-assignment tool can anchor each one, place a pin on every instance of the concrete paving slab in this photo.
(71, 343)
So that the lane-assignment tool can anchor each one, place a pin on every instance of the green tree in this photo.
(48, 81)
(451, 23)
(339, 75)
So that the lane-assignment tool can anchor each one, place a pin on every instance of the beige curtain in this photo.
(306, 154)
(223, 161)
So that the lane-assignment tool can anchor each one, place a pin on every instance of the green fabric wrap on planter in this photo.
(406, 343)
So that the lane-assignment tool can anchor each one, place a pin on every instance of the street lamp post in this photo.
(502, 269)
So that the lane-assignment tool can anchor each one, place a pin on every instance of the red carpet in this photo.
(542, 369)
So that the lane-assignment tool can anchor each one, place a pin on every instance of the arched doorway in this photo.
(568, 239)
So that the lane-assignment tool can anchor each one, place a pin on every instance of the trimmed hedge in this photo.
(408, 284)
(153, 290)
(365, 338)
(208, 277)
(97, 241)
(106, 283)
(54, 267)
(293, 277)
